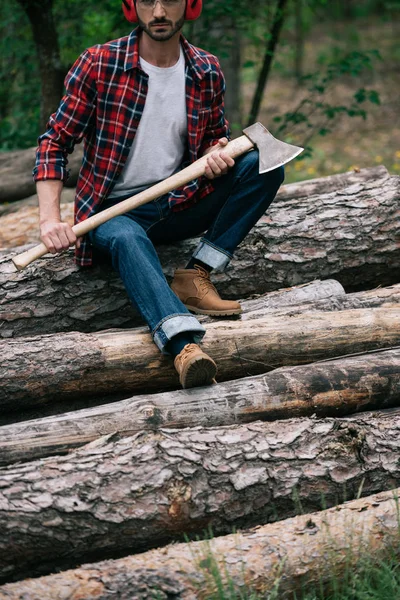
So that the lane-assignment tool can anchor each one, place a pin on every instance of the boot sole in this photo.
(201, 371)
(215, 313)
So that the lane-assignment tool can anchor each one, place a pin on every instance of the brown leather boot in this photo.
(194, 288)
(195, 367)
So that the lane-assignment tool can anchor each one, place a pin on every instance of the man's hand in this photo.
(57, 235)
(218, 161)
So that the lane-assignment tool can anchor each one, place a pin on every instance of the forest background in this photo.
(321, 74)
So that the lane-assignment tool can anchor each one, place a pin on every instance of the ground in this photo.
(354, 143)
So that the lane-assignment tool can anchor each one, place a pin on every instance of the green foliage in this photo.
(80, 25)
(315, 114)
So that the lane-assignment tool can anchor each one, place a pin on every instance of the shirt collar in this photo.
(196, 62)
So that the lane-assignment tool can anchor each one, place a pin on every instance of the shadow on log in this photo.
(333, 388)
(128, 495)
(349, 233)
(284, 558)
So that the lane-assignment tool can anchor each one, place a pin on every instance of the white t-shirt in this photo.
(160, 142)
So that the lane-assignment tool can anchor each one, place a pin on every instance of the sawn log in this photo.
(55, 367)
(143, 491)
(349, 233)
(303, 552)
(333, 388)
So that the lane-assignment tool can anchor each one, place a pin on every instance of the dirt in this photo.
(354, 142)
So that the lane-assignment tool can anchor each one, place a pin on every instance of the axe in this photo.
(273, 153)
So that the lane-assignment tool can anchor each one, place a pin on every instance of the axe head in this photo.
(273, 153)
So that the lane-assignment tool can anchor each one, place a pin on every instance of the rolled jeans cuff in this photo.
(212, 255)
(174, 324)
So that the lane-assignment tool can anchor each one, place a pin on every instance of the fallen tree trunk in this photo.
(285, 558)
(24, 223)
(143, 491)
(40, 369)
(16, 173)
(333, 388)
(23, 227)
(348, 233)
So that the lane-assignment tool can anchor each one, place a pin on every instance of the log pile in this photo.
(343, 227)
(102, 456)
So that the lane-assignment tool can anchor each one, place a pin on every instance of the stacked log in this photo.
(284, 430)
(329, 388)
(127, 495)
(346, 229)
(282, 558)
(71, 365)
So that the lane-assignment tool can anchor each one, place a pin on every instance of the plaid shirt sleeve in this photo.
(217, 126)
(68, 125)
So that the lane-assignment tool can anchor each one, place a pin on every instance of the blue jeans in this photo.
(238, 201)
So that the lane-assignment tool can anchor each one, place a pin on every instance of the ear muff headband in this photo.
(193, 10)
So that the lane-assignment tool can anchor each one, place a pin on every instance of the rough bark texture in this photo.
(300, 552)
(347, 230)
(45, 37)
(16, 173)
(333, 388)
(48, 368)
(139, 492)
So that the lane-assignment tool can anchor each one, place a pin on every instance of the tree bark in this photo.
(140, 492)
(16, 173)
(279, 18)
(40, 15)
(57, 367)
(333, 388)
(347, 232)
(299, 553)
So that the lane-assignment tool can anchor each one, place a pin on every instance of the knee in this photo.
(277, 176)
(251, 162)
(119, 235)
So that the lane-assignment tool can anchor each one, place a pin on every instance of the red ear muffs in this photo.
(193, 10)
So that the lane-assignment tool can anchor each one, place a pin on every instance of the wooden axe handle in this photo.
(193, 171)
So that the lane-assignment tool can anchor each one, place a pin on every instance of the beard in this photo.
(162, 36)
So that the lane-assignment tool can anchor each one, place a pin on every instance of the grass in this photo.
(361, 573)
(372, 580)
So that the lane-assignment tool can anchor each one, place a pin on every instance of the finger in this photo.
(208, 172)
(213, 165)
(228, 159)
(220, 161)
(71, 236)
(223, 141)
(64, 241)
(48, 242)
(78, 243)
(57, 243)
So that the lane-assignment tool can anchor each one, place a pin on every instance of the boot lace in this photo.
(204, 280)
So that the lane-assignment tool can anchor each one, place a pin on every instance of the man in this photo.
(146, 105)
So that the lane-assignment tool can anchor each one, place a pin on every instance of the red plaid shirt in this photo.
(103, 105)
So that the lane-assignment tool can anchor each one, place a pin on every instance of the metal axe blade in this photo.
(273, 153)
